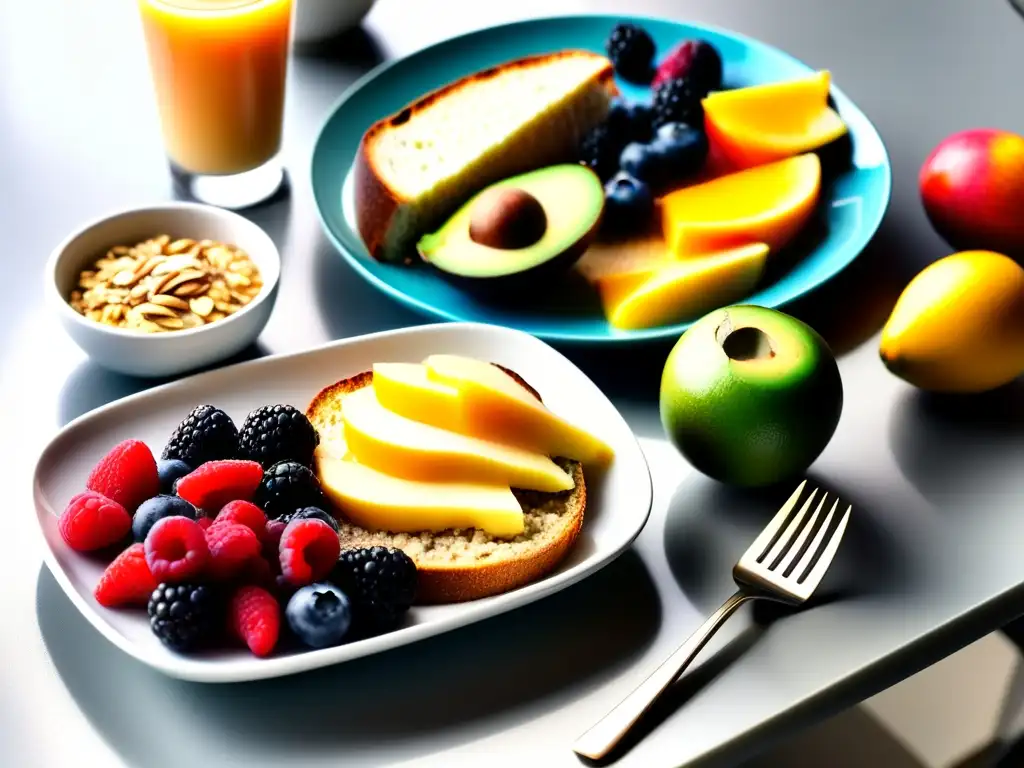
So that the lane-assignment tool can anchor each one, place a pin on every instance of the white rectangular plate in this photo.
(619, 498)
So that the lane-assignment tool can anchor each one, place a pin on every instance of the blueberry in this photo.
(315, 513)
(630, 121)
(170, 471)
(157, 508)
(639, 162)
(618, 114)
(680, 148)
(319, 615)
(628, 204)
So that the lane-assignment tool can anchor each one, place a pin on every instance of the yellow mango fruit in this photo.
(958, 326)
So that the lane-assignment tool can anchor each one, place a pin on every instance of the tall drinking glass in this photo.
(219, 69)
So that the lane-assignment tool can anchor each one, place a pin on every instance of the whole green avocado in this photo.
(750, 396)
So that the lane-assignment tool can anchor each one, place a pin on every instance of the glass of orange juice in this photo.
(219, 69)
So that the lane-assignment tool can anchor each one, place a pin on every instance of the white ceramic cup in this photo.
(139, 353)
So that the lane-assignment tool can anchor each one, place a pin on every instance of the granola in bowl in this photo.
(166, 284)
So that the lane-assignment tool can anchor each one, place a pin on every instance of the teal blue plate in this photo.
(851, 207)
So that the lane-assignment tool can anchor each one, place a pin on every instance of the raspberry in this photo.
(309, 549)
(176, 549)
(213, 484)
(127, 474)
(127, 580)
(205, 522)
(244, 513)
(254, 617)
(272, 537)
(694, 59)
(91, 521)
(260, 572)
(230, 545)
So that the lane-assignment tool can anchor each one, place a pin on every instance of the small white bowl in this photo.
(162, 354)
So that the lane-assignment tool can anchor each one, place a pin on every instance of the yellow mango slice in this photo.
(405, 389)
(681, 290)
(768, 204)
(764, 123)
(497, 407)
(378, 501)
(395, 445)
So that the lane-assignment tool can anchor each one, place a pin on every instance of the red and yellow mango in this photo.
(972, 187)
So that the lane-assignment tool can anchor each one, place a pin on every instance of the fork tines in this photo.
(795, 546)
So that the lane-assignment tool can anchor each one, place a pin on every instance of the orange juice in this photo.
(219, 69)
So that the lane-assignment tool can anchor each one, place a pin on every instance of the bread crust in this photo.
(375, 201)
(461, 581)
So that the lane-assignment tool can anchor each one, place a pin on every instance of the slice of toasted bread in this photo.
(414, 168)
(459, 565)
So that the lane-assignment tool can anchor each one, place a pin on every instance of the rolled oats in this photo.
(166, 284)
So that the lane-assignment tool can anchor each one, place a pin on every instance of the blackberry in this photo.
(181, 615)
(276, 433)
(380, 583)
(286, 487)
(206, 434)
(678, 101)
(600, 149)
(631, 51)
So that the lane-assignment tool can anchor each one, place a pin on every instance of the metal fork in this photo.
(780, 565)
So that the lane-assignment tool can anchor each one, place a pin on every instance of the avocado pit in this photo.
(747, 343)
(507, 218)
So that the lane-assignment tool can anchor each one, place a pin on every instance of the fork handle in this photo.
(604, 735)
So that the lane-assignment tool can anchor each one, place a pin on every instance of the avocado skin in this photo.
(450, 248)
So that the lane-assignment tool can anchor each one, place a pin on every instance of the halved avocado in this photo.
(540, 221)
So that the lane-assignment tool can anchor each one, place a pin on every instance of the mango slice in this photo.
(681, 290)
(405, 389)
(496, 407)
(764, 123)
(395, 445)
(378, 501)
(769, 204)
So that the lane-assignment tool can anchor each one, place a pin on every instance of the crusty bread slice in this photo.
(414, 168)
(460, 565)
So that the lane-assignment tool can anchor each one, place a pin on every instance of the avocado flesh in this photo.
(572, 197)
